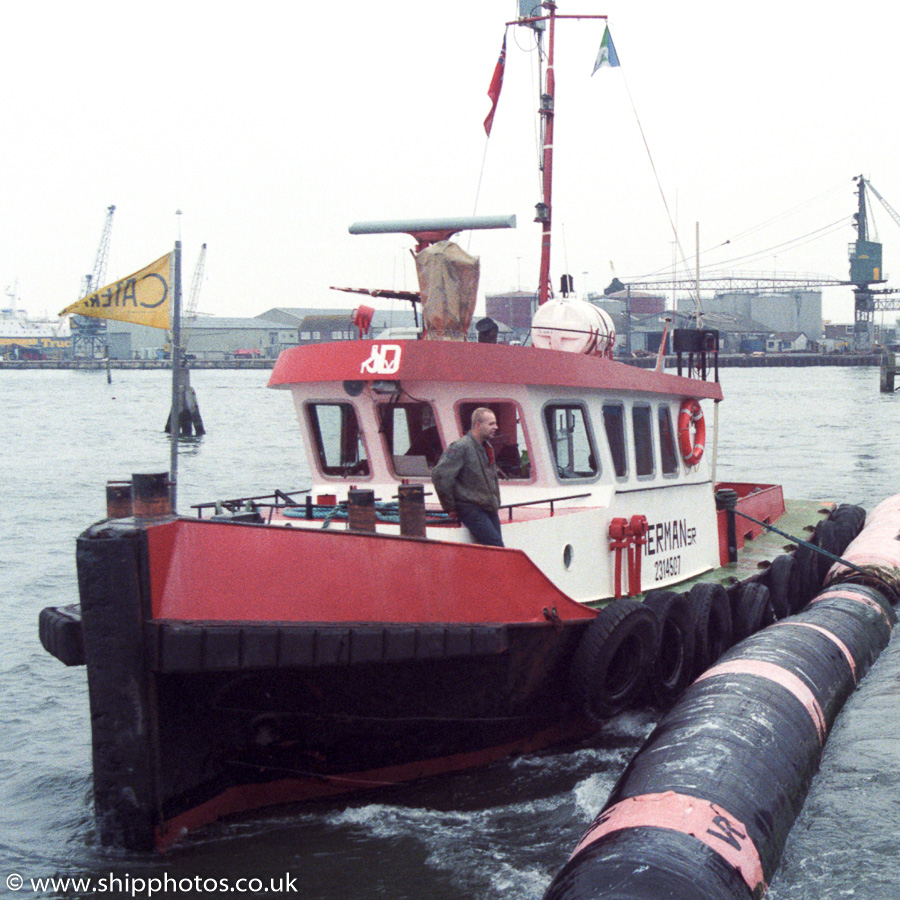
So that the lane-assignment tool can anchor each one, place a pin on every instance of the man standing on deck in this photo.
(466, 481)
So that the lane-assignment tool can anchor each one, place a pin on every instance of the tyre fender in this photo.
(826, 536)
(849, 521)
(711, 610)
(753, 610)
(613, 658)
(674, 666)
(779, 583)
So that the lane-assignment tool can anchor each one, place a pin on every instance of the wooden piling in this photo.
(190, 422)
(889, 367)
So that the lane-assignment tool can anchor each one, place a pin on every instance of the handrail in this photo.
(550, 500)
(234, 504)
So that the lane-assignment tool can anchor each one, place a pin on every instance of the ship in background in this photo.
(25, 337)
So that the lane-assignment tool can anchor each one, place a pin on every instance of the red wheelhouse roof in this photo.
(451, 361)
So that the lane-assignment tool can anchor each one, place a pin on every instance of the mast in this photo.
(545, 207)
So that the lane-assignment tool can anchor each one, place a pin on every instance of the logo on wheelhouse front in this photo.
(383, 360)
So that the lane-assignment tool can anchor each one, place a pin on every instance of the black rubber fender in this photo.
(60, 633)
(752, 610)
(778, 581)
(804, 576)
(674, 667)
(849, 521)
(614, 658)
(828, 538)
(711, 610)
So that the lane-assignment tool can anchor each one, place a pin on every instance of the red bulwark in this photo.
(297, 575)
(764, 502)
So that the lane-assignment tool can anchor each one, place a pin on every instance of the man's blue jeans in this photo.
(483, 525)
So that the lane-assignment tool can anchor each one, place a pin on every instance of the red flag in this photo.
(496, 84)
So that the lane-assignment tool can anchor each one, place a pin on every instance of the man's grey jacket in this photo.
(465, 475)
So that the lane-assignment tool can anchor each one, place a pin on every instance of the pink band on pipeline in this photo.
(700, 819)
(831, 637)
(781, 676)
(850, 594)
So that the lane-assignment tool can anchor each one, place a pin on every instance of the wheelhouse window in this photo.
(509, 445)
(643, 441)
(667, 441)
(614, 424)
(411, 435)
(571, 443)
(338, 439)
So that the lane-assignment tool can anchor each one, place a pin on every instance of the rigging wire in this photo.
(758, 227)
(487, 141)
(791, 244)
(788, 212)
(801, 240)
(827, 229)
(656, 177)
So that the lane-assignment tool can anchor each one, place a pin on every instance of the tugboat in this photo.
(299, 645)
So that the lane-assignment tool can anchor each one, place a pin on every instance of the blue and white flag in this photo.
(607, 55)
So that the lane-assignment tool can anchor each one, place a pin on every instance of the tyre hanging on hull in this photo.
(778, 580)
(711, 610)
(674, 665)
(752, 610)
(613, 659)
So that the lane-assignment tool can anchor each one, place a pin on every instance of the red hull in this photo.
(214, 691)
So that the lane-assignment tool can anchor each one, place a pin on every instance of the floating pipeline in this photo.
(703, 810)
(876, 549)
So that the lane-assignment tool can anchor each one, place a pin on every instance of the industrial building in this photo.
(747, 322)
(791, 311)
(262, 337)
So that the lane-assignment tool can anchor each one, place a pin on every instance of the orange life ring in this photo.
(691, 446)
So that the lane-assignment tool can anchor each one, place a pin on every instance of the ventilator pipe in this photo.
(703, 810)
(726, 499)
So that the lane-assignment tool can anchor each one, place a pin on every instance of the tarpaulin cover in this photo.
(448, 283)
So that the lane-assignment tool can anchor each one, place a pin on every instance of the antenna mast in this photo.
(530, 15)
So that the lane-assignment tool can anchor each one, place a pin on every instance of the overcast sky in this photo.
(273, 127)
